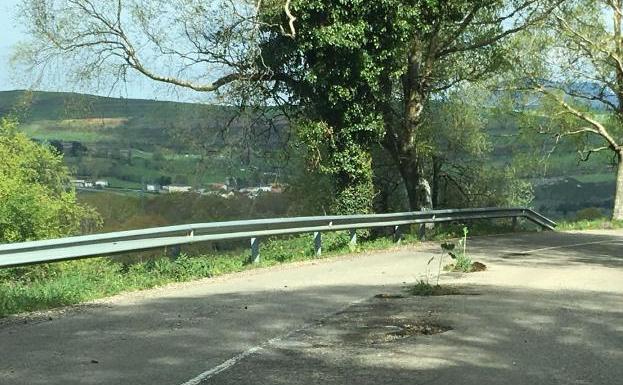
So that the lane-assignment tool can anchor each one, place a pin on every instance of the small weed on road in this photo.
(425, 289)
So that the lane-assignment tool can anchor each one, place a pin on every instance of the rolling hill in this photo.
(133, 141)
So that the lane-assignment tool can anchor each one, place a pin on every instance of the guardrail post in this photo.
(514, 223)
(317, 243)
(353, 239)
(255, 250)
(397, 234)
(422, 232)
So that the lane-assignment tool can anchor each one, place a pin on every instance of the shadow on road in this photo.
(509, 333)
(552, 248)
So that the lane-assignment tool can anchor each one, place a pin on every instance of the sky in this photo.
(12, 33)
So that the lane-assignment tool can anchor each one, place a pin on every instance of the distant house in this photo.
(218, 187)
(88, 184)
(152, 188)
(253, 192)
(101, 183)
(177, 189)
(78, 183)
(276, 188)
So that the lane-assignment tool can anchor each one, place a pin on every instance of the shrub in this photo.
(35, 201)
(589, 214)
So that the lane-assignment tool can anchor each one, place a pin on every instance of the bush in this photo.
(35, 201)
(589, 214)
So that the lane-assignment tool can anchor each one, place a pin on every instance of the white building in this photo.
(78, 182)
(152, 188)
(177, 189)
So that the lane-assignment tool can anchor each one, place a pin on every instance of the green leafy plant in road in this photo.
(462, 262)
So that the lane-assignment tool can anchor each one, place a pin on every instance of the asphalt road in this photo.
(548, 310)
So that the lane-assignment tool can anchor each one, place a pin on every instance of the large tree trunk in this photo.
(402, 135)
(417, 186)
(435, 198)
(617, 213)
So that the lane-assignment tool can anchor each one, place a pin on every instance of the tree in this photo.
(365, 69)
(464, 171)
(579, 75)
(35, 201)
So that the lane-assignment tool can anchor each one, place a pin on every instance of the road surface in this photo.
(548, 310)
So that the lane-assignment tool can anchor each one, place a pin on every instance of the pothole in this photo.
(392, 331)
(416, 329)
(517, 254)
(478, 266)
(389, 296)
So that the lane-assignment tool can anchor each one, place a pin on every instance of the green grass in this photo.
(425, 289)
(463, 263)
(595, 224)
(39, 131)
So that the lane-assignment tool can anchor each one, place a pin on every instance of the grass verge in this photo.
(594, 224)
(49, 286)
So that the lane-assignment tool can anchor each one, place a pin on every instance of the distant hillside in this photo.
(136, 123)
(132, 142)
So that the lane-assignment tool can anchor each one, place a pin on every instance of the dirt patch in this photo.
(416, 329)
(425, 290)
(478, 266)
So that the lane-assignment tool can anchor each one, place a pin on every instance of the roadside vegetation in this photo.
(67, 283)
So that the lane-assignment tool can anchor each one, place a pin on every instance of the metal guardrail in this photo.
(53, 250)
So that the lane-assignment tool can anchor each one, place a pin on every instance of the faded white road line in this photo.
(198, 380)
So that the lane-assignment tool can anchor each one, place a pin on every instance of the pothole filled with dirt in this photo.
(389, 296)
(393, 329)
(474, 268)
(416, 329)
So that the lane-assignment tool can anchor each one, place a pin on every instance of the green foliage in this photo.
(589, 214)
(422, 288)
(35, 202)
(462, 261)
(462, 151)
(345, 50)
(347, 162)
(425, 289)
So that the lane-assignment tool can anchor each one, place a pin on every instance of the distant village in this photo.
(222, 190)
